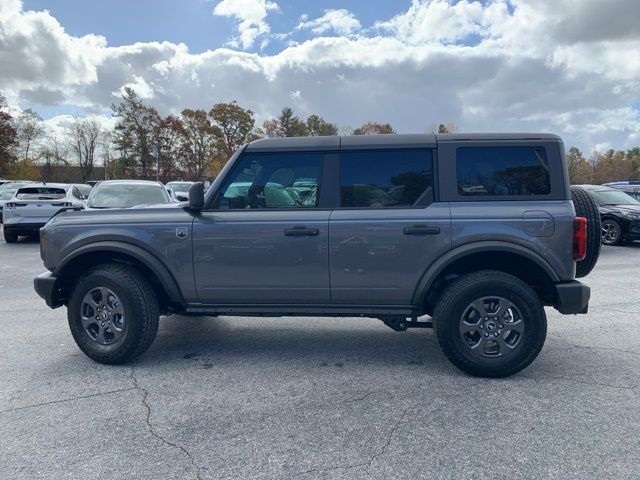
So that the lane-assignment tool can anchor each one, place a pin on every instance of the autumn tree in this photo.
(233, 125)
(198, 142)
(580, 171)
(134, 135)
(8, 135)
(30, 129)
(84, 136)
(374, 128)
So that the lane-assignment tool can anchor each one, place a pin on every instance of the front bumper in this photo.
(572, 297)
(48, 287)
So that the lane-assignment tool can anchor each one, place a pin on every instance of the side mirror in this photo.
(182, 198)
(196, 196)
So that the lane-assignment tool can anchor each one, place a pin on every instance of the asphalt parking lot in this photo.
(308, 398)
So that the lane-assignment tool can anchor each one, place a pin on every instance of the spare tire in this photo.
(587, 207)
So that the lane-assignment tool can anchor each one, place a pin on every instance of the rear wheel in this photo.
(10, 237)
(113, 314)
(490, 324)
(611, 232)
(587, 207)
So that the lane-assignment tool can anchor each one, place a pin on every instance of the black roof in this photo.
(383, 141)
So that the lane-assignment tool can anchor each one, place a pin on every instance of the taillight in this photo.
(62, 204)
(579, 238)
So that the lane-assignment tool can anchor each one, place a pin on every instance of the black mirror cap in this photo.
(196, 196)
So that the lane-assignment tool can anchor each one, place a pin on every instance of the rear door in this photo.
(387, 229)
(265, 240)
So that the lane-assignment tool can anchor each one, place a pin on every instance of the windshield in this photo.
(126, 195)
(179, 186)
(613, 197)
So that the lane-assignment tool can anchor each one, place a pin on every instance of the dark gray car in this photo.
(477, 231)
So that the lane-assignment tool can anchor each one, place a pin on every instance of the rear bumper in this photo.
(572, 297)
(47, 286)
(23, 228)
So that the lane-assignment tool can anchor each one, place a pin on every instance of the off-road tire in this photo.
(455, 300)
(586, 207)
(140, 305)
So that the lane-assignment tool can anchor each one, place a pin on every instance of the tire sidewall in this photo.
(132, 312)
(531, 343)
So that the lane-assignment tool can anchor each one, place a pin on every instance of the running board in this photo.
(283, 310)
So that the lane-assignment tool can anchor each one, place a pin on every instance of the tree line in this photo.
(196, 143)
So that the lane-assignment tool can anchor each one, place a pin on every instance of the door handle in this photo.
(421, 230)
(301, 232)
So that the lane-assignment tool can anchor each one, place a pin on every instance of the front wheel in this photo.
(490, 324)
(611, 232)
(113, 314)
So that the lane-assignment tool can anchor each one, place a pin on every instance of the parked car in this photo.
(477, 231)
(632, 190)
(180, 190)
(620, 214)
(126, 194)
(32, 205)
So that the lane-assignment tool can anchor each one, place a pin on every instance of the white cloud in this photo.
(339, 21)
(527, 65)
(251, 15)
(141, 87)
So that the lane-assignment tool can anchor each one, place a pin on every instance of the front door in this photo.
(265, 241)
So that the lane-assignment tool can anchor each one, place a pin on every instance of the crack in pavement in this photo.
(152, 429)
(64, 400)
(396, 426)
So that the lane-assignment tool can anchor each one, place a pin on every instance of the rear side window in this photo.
(512, 171)
(386, 178)
(40, 193)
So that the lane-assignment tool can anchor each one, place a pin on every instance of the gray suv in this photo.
(478, 232)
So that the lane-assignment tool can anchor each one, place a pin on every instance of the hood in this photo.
(622, 209)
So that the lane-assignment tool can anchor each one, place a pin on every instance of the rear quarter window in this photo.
(502, 171)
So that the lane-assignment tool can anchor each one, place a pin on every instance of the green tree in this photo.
(290, 125)
(374, 128)
(134, 135)
(318, 126)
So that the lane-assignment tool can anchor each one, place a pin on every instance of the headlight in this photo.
(633, 216)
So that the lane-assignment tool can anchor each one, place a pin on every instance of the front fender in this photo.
(138, 253)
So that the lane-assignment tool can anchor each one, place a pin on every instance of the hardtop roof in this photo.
(348, 142)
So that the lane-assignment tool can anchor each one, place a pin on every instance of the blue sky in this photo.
(563, 66)
(192, 22)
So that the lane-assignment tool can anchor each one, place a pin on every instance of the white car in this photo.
(33, 205)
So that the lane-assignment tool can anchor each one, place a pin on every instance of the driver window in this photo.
(273, 180)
